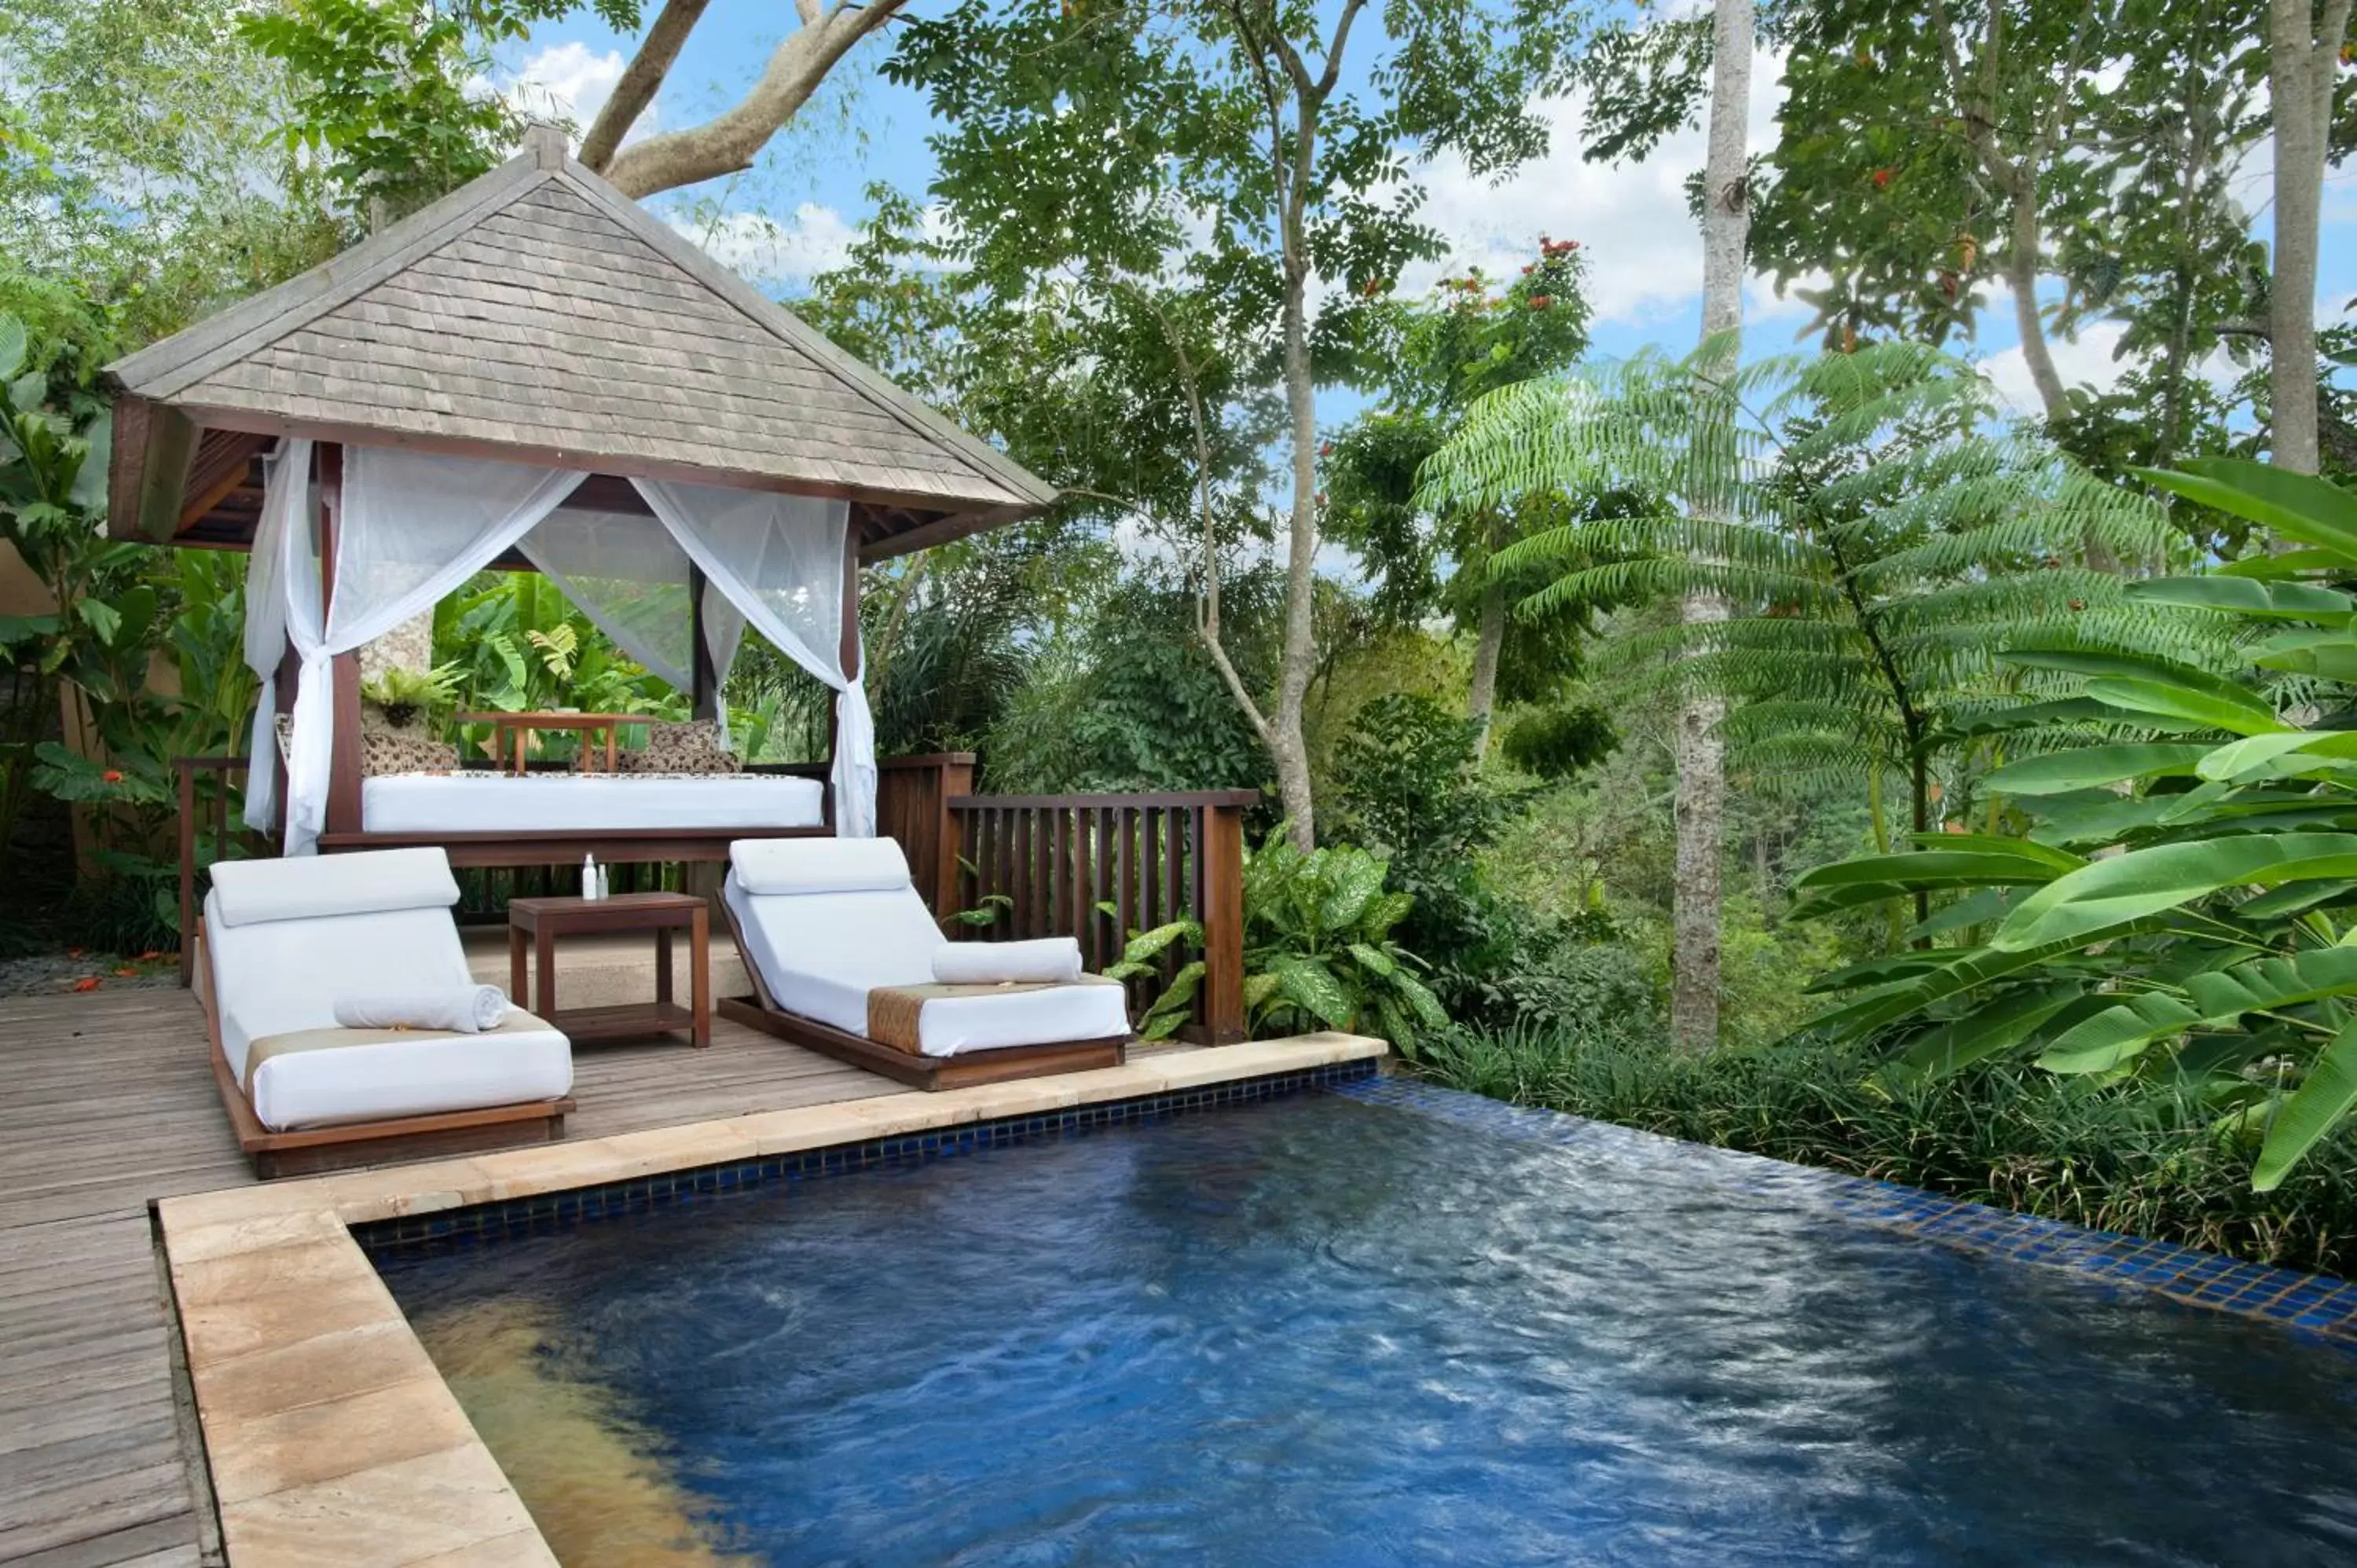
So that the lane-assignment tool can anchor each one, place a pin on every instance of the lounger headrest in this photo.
(767, 868)
(321, 887)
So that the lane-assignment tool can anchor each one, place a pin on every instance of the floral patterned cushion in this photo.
(692, 747)
(398, 751)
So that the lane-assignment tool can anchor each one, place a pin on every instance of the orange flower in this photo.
(1541, 301)
(151, 955)
(128, 971)
(88, 982)
(112, 776)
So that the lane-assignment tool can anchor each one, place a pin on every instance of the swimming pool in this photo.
(1342, 1329)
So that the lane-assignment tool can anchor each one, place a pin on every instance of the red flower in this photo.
(112, 776)
(1322, 498)
(1541, 301)
(1325, 448)
(127, 970)
(1528, 270)
(1882, 178)
(88, 982)
(151, 955)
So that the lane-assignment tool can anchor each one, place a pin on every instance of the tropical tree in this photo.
(2183, 908)
(1471, 337)
(1231, 144)
(1882, 543)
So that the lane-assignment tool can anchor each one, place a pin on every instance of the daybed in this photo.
(481, 801)
(283, 941)
(841, 950)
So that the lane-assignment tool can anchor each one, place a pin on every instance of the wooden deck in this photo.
(106, 1101)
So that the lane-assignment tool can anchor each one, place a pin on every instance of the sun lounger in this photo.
(283, 940)
(840, 947)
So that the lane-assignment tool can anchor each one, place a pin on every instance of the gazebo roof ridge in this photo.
(540, 314)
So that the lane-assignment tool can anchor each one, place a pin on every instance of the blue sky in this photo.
(792, 214)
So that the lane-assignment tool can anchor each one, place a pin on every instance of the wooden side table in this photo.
(542, 921)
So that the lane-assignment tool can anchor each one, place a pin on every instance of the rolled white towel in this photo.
(467, 1010)
(1049, 960)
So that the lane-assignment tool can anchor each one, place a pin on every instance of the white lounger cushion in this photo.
(779, 866)
(819, 954)
(481, 801)
(307, 888)
(1047, 960)
(278, 975)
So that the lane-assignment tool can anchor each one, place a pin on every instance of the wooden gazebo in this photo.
(538, 316)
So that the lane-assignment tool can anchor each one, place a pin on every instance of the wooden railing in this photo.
(1098, 867)
(1093, 867)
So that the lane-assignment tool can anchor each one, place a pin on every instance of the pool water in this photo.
(1319, 1331)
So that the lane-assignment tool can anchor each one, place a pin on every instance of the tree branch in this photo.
(641, 80)
(730, 141)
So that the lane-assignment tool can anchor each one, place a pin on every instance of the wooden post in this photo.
(847, 659)
(954, 781)
(1223, 850)
(344, 683)
(703, 692)
(187, 869)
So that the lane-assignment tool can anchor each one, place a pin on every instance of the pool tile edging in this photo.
(2314, 1303)
(329, 1434)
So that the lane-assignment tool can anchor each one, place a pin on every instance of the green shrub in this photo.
(2141, 1158)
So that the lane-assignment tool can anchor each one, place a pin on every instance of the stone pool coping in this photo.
(329, 1436)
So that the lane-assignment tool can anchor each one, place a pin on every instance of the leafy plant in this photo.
(2179, 909)
(405, 694)
(1319, 952)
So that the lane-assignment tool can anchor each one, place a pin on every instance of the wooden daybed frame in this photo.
(760, 1011)
(312, 1150)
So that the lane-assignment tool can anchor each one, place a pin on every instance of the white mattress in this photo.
(282, 975)
(821, 954)
(483, 801)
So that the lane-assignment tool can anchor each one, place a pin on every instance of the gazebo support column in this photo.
(344, 673)
(704, 688)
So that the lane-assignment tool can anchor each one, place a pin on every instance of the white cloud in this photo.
(766, 249)
(570, 82)
(1643, 246)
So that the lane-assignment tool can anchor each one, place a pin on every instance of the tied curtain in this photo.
(779, 560)
(413, 527)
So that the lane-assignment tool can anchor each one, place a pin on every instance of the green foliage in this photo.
(405, 696)
(2175, 912)
(512, 641)
(1875, 544)
(2134, 1157)
(387, 104)
(1319, 951)
(1556, 743)
(1130, 701)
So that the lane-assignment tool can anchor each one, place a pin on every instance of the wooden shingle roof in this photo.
(539, 314)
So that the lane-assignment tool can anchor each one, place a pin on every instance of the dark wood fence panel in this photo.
(1098, 868)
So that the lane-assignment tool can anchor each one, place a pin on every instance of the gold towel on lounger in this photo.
(294, 1041)
(893, 1010)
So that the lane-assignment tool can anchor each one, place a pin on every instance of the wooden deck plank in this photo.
(109, 1103)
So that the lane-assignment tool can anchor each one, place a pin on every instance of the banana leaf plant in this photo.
(2181, 907)
(1319, 952)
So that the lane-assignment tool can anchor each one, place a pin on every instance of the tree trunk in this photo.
(1287, 747)
(1725, 223)
(2021, 256)
(2301, 66)
(1489, 639)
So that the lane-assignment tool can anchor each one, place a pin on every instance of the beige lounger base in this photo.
(961, 1071)
(310, 1151)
